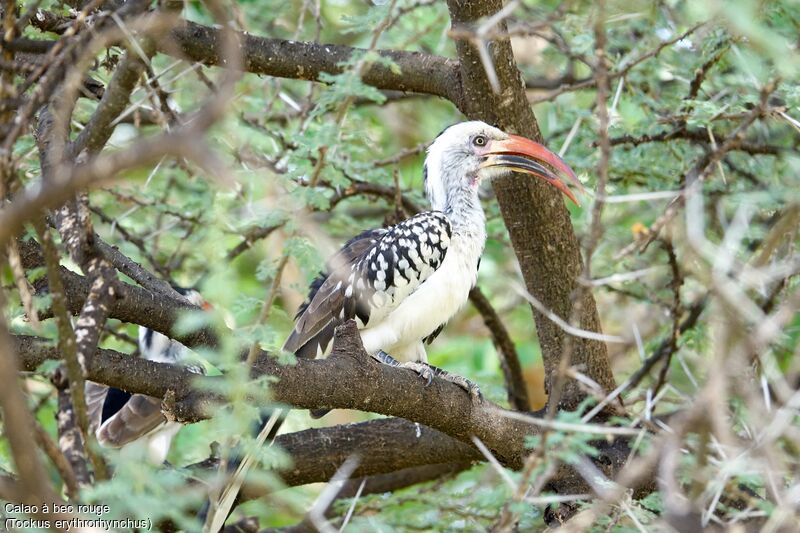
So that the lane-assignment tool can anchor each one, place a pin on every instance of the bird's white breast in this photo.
(433, 303)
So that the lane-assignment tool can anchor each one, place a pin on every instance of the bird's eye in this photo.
(479, 140)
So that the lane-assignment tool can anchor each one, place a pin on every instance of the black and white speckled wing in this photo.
(314, 325)
(368, 278)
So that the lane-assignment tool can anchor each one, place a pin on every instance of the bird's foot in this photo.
(470, 386)
(424, 371)
(427, 372)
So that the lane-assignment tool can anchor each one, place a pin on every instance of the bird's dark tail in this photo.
(220, 503)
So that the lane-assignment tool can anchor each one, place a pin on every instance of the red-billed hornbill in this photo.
(118, 417)
(403, 283)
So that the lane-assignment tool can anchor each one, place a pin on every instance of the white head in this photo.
(465, 154)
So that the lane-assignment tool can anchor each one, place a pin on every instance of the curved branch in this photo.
(506, 351)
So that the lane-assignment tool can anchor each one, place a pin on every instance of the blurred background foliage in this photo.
(183, 225)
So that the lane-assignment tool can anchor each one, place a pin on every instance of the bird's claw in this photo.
(475, 392)
(471, 387)
(427, 375)
(424, 371)
(428, 372)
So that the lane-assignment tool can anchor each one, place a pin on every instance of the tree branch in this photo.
(134, 270)
(70, 439)
(315, 384)
(318, 453)
(71, 434)
(543, 238)
(418, 72)
(134, 304)
(115, 98)
(506, 351)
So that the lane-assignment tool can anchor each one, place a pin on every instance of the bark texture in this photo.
(445, 418)
(417, 72)
(537, 220)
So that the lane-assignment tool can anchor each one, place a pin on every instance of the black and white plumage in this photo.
(368, 278)
(119, 418)
(403, 283)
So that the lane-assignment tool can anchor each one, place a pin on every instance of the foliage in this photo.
(293, 150)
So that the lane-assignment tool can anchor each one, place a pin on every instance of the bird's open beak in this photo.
(523, 155)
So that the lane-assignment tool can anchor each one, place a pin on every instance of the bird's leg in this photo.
(470, 386)
(427, 372)
(422, 369)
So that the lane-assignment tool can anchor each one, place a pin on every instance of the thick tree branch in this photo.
(134, 304)
(542, 236)
(70, 439)
(71, 434)
(384, 445)
(314, 384)
(418, 72)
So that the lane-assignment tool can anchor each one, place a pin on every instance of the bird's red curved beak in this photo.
(523, 155)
